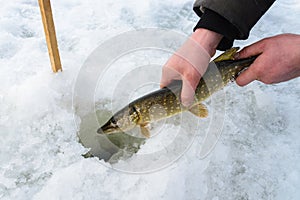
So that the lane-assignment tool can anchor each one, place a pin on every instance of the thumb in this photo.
(168, 75)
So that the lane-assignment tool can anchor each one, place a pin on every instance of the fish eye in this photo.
(132, 110)
(113, 120)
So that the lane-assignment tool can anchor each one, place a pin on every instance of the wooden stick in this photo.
(49, 29)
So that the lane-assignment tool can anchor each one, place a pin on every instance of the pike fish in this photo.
(165, 102)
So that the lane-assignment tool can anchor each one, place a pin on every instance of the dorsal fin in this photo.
(227, 55)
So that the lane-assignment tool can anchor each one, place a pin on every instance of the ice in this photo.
(257, 156)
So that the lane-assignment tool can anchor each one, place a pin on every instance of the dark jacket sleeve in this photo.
(232, 18)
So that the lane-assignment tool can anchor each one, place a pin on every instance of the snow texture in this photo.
(257, 157)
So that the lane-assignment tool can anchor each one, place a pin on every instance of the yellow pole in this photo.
(49, 29)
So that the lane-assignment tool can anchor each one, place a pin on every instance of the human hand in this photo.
(278, 60)
(190, 62)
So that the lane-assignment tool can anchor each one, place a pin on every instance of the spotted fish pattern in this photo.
(165, 102)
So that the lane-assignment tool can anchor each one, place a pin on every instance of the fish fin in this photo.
(227, 55)
(200, 110)
(145, 131)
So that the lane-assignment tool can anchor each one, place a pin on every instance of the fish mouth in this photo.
(100, 130)
(108, 128)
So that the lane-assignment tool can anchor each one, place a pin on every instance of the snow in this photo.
(257, 156)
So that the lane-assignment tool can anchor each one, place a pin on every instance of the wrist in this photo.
(208, 39)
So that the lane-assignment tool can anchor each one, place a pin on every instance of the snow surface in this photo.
(257, 157)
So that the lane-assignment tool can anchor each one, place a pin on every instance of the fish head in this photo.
(124, 120)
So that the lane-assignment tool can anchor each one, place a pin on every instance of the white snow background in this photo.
(257, 157)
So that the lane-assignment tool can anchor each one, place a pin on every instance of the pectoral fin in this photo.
(145, 131)
(199, 110)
